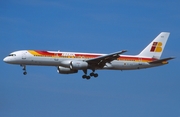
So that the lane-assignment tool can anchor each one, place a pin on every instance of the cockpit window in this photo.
(12, 55)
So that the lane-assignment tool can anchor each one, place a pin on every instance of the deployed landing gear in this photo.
(94, 74)
(24, 69)
(85, 76)
(90, 75)
(24, 73)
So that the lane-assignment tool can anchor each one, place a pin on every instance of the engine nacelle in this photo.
(63, 70)
(78, 65)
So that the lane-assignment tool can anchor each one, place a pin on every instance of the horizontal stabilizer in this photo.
(161, 60)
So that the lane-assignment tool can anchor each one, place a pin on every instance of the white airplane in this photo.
(72, 62)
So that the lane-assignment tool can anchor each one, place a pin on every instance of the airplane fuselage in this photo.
(72, 62)
(56, 58)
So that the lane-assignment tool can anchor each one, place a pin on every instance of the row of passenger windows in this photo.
(127, 59)
(77, 57)
(72, 57)
(43, 55)
(61, 56)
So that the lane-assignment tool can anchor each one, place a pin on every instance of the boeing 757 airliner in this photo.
(72, 62)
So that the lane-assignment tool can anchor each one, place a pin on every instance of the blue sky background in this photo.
(89, 26)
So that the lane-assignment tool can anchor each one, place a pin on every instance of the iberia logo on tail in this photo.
(156, 47)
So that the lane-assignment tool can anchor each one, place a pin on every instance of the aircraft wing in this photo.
(102, 60)
(161, 60)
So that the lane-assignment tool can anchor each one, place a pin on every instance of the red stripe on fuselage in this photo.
(89, 55)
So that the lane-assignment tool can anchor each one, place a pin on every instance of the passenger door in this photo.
(24, 55)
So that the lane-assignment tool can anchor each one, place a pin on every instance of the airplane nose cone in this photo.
(5, 59)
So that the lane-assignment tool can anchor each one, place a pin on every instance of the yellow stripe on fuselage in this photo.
(33, 52)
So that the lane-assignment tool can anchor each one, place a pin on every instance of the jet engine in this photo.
(63, 70)
(78, 65)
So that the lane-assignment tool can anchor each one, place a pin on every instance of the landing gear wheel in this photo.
(24, 73)
(84, 76)
(95, 75)
(92, 74)
(88, 77)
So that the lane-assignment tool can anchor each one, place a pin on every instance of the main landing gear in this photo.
(24, 69)
(92, 74)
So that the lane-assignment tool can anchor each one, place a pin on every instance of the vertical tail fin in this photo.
(156, 47)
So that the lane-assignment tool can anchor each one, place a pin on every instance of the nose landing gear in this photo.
(24, 69)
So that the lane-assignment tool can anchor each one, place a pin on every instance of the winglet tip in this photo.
(172, 57)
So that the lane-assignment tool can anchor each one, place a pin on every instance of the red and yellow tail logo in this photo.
(156, 47)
